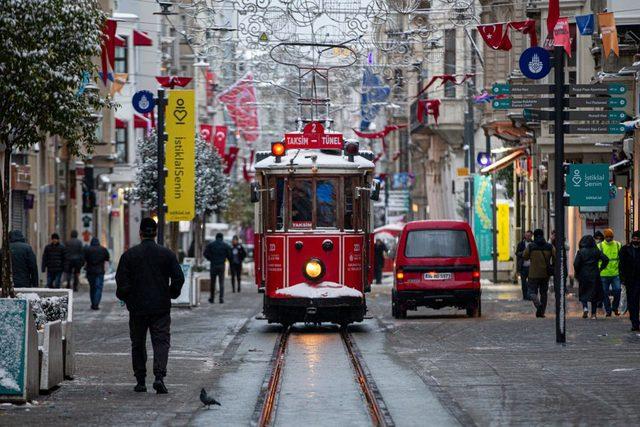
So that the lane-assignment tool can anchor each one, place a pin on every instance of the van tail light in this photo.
(399, 275)
(475, 276)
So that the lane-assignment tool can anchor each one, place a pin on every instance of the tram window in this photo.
(301, 203)
(326, 203)
(348, 203)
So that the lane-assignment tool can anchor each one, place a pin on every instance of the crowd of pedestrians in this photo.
(217, 253)
(59, 259)
(602, 266)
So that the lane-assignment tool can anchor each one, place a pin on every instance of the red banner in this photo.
(220, 139)
(230, 159)
(206, 133)
(240, 100)
(561, 35)
(108, 47)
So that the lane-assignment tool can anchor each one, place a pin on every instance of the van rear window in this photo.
(437, 244)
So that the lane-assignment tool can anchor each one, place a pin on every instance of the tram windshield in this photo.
(302, 203)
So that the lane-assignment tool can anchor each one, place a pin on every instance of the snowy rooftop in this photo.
(306, 159)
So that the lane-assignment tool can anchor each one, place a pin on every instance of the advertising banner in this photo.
(180, 156)
(502, 220)
(482, 216)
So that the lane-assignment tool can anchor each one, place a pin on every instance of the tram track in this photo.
(267, 403)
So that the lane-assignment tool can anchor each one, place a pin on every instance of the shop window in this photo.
(121, 145)
(121, 61)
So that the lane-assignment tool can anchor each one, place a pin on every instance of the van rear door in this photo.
(436, 258)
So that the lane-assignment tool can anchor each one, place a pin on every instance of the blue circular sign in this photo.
(535, 63)
(143, 101)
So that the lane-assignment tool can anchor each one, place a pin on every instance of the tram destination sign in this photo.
(313, 137)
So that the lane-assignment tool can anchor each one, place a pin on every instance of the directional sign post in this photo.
(507, 89)
(507, 103)
(594, 129)
(596, 89)
(612, 116)
(595, 102)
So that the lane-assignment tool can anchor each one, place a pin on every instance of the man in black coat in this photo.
(148, 278)
(75, 260)
(629, 266)
(54, 261)
(95, 256)
(238, 254)
(23, 261)
(217, 252)
(379, 249)
(522, 265)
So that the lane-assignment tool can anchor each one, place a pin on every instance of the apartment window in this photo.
(99, 132)
(450, 61)
(121, 145)
(121, 63)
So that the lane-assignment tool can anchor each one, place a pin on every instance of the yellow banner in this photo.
(607, 23)
(180, 155)
(502, 219)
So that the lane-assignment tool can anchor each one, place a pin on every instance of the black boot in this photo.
(140, 386)
(159, 387)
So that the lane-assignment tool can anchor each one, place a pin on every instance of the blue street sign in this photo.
(143, 102)
(535, 63)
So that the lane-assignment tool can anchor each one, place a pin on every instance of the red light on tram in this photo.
(277, 149)
(351, 148)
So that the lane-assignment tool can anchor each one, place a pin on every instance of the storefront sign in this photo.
(180, 156)
(482, 224)
(588, 185)
(313, 137)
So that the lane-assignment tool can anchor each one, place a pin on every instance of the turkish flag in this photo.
(496, 36)
(230, 159)
(206, 133)
(108, 47)
(240, 100)
(220, 139)
(527, 26)
(553, 16)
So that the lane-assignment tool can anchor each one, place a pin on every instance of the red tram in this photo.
(313, 222)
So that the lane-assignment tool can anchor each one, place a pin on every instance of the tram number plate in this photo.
(437, 276)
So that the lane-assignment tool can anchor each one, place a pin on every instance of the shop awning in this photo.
(140, 121)
(140, 38)
(121, 124)
(505, 130)
(503, 162)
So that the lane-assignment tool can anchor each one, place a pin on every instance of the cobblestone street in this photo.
(502, 369)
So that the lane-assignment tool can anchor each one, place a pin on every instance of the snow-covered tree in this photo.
(212, 185)
(46, 48)
(145, 190)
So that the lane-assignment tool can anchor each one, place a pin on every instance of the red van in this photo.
(436, 266)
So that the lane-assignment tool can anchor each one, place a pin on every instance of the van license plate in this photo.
(437, 276)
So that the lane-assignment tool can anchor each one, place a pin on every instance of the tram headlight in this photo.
(314, 269)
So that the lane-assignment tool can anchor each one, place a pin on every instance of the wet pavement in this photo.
(434, 368)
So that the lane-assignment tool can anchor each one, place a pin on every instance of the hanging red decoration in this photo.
(496, 36)
(108, 47)
(430, 106)
(453, 78)
(381, 134)
(553, 16)
(240, 101)
(230, 159)
(527, 26)
(172, 81)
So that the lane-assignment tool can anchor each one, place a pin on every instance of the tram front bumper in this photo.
(335, 310)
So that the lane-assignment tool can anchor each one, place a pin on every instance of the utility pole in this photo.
(559, 281)
(161, 102)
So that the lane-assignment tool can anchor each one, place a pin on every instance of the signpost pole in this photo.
(161, 102)
(558, 276)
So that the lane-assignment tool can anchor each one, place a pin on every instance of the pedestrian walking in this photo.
(379, 249)
(610, 275)
(238, 254)
(598, 236)
(522, 265)
(541, 256)
(24, 267)
(629, 268)
(589, 264)
(75, 260)
(147, 279)
(54, 261)
(217, 252)
(95, 256)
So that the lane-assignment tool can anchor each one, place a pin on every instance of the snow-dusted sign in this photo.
(313, 137)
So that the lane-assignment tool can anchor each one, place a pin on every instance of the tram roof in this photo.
(304, 159)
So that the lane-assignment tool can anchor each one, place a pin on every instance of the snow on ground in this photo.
(320, 290)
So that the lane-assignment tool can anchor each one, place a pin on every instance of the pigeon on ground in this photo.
(208, 400)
